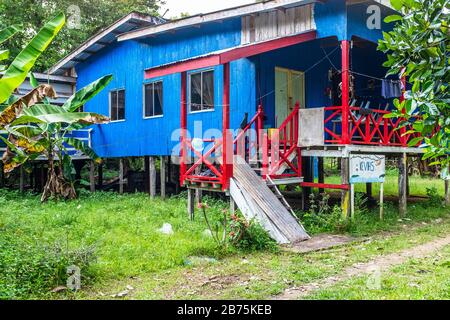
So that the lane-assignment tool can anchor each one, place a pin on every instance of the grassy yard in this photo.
(116, 240)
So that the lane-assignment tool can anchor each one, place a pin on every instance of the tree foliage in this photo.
(419, 48)
(91, 17)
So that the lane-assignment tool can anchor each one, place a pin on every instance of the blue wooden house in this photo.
(273, 83)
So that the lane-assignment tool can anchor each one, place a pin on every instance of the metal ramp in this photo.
(258, 202)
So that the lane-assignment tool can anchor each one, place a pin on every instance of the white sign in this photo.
(367, 169)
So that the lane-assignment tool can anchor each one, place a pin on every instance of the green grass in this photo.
(418, 279)
(116, 242)
(123, 230)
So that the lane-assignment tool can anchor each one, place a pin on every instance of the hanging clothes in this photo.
(391, 89)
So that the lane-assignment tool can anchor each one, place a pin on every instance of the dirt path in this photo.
(381, 263)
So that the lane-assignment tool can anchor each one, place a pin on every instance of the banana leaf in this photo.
(22, 64)
(8, 32)
(86, 94)
(81, 146)
(8, 115)
(4, 54)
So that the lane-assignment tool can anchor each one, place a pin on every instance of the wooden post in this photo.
(382, 201)
(447, 192)
(345, 48)
(163, 177)
(321, 173)
(191, 204)
(352, 201)
(306, 168)
(402, 172)
(92, 175)
(147, 174)
(183, 127)
(232, 206)
(369, 191)
(121, 180)
(198, 192)
(100, 176)
(21, 179)
(345, 194)
(152, 169)
(227, 139)
(2, 175)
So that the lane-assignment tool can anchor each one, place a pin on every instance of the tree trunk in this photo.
(57, 187)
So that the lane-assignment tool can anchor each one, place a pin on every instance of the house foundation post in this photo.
(163, 174)
(92, 175)
(191, 204)
(121, 175)
(402, 184)
(152, 177)
(345, 194)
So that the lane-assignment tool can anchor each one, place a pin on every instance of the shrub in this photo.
(28, 268)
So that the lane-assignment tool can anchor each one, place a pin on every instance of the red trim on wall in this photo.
(230, 55)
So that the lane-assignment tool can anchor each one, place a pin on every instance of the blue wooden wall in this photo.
(250, 79)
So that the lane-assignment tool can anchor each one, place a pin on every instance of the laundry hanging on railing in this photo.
(391, 88)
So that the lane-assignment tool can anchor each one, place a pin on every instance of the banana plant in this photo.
(35, 127)
(43, 131)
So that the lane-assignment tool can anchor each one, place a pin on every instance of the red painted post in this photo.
(265, 155)
(183, 127)
(404, 139)
(227, 158)
(345, 91)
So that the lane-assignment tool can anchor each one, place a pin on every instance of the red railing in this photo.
(366, 127)
(281, 153)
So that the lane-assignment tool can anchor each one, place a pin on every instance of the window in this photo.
(117, 105)
(201, 87)
(153, 99)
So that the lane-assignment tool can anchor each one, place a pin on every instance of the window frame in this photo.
(189, 84)
(124, 104)
(153, 82)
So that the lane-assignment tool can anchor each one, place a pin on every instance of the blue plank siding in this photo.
(252, 79)
(126, 61)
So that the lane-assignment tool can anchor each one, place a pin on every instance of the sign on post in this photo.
(367, 169)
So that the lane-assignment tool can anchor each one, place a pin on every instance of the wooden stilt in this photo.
(21, 179)
(2, 175)
(152, 177)
(382, 201)
(121, 176)
(232, 206)
(321, 173)
(163, 177)
(402, 183)
(306, 192)
(191, 204)
(345, 194)
(369, 191)
(447, 192)
(198, 192)
(92, 175)
(100, 176)
(147, 174)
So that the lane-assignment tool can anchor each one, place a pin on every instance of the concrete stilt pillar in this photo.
(345, 194)
(447, 192)
(402, 185)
